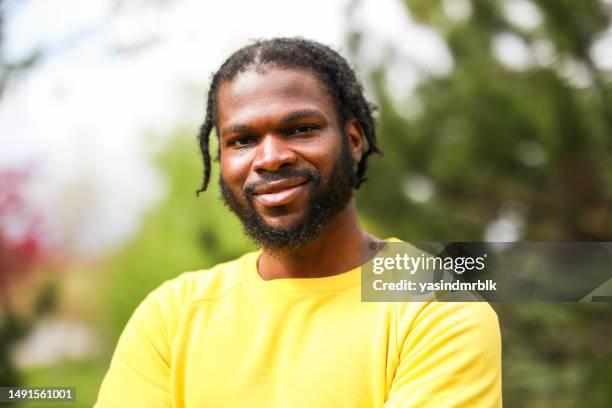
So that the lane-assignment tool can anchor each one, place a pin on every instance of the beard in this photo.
(327, 199)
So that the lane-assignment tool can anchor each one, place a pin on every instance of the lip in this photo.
(279, 192)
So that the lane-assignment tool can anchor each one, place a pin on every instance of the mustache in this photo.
(268, 177)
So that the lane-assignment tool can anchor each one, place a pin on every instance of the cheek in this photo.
(323, 154)
(235, 168)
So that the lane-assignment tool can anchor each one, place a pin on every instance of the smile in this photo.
(279, 193)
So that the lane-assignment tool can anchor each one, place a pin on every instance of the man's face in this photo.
(287, 166)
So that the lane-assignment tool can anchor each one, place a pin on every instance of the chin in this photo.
(285, 222)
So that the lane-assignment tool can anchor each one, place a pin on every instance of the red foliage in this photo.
(21, 238)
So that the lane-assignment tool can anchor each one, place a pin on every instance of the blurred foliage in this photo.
(10, 69)
(487, 139)
(11, 330)
(19, 256)
(487, 135)
(15, 325)
(84, 375)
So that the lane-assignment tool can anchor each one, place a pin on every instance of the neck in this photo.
(339, 248)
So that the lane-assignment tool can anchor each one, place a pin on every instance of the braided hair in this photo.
(327, 65)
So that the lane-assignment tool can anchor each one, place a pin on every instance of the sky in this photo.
(116, 77)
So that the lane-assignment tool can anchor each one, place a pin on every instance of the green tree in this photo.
(489, 134)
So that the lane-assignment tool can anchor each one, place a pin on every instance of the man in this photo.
(285, 326)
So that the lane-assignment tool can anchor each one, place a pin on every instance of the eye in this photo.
(302, 129)
(240, 141)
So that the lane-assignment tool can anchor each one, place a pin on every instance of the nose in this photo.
(272, 153)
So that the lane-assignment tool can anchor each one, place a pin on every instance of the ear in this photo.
(356, 139)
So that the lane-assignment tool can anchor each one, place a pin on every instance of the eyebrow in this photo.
(301, 114)
(285, 121)
(237, 128)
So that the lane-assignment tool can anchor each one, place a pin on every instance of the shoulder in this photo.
(469, 325)
(167, 301)
(160, 312)
(477, 317)
(449, 355)
(205, 284)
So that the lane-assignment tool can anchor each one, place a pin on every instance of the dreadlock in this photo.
(329, 67)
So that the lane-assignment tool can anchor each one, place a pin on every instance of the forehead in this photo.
(271, 92)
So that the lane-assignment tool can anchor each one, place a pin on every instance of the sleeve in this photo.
(139, 372)
(449, 356)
